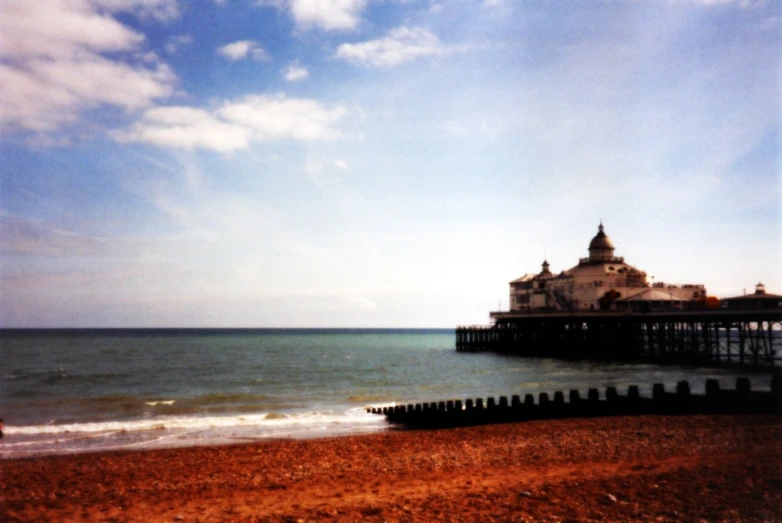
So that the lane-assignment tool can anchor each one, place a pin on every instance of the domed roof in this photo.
(601, 240)
(601, 249)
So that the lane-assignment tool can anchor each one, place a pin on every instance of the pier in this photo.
(721, 337)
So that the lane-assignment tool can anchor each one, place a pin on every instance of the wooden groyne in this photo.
(708, 337)
(455, 413)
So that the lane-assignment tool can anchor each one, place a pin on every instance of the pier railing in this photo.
(710, 337)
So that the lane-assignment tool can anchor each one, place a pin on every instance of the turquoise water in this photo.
(89, 390)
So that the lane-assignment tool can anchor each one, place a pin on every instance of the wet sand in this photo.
(650, 468)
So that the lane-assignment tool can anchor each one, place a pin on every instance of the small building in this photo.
(599, 282)
(653, 300)
(760, 300)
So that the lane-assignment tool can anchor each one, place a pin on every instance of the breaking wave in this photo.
(172, 431)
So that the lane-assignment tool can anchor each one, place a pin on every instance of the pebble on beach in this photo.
(684, 468)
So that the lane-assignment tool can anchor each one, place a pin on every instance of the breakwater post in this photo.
(442, 414)
(708, 337)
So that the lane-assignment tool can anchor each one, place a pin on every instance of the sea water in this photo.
(66, 391)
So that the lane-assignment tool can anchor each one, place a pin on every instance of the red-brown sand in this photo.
(651, 468)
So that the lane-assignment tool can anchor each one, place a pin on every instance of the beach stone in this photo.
(525, 494)
(612, 498)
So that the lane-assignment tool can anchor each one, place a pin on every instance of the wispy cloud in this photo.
(175, 43)
(399, 46)
(161, 10)
(744, 4)
(53, 66)
(236, 124)
(243, 49)
(327, 14)
(295, 72)
(33, 237)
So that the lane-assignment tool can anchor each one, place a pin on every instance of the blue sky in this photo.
(336, 163)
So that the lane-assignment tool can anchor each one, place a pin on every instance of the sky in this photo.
(376, 163)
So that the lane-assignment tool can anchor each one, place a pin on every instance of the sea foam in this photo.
(172, 431)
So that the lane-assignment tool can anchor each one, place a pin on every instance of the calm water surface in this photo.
(89, 390)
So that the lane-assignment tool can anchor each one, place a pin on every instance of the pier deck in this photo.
(701, 337)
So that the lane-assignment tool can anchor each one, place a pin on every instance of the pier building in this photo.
(759, 300)
(606, 309)
(600, 281)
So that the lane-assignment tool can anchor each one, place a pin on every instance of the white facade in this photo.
(599, 282)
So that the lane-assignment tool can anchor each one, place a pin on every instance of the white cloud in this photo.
(187, 128)
(52, 65)
(241, 50)
(48, 94)
(327, 14)
(56, 29)
(296, 72)
(236, 124)
(398, 47)
(279, 117)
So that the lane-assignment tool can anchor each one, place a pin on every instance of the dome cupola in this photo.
(601, 248)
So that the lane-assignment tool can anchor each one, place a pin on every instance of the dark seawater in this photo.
(64, 391)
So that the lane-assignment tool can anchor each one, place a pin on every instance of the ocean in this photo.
(87, 390)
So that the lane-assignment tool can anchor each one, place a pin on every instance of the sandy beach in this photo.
(650, 468)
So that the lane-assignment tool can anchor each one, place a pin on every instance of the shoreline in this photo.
(156, 433)
(623, 468)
